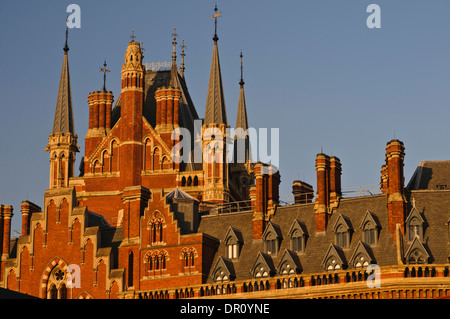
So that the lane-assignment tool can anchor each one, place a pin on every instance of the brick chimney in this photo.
(27, 209)
(100, 105)
(396, 202)
(323, 186)
(335, 182)
(264, 195)
(7, 217)
(384, 177)
(303, 192)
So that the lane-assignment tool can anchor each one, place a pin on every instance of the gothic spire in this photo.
(215, 103)
(173, 70)
(182, 68)
(63, 121)
(242, 123)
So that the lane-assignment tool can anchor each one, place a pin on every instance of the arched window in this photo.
(370, 233)
(156, 229)
(188, 258)
(341, 236)
(53, 292)
(63, 292)
(417, 257)
(56, 283)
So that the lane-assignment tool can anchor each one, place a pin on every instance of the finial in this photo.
(132, 37)
(174, 42)
(66, 47)
(104, 70)
(182, 58)
(215, 16)
(242, 72)
(414, 202)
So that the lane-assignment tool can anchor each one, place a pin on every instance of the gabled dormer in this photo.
(414, 224)
(223, 270)
(272, 238)
(343, 230)
(263, 266)
(362, 256)
(233, 241)
(417, 253)
(289, 264)
(298, 234)
(334, 259)
(370, 225)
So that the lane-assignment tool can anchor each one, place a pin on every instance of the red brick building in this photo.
(136, 223)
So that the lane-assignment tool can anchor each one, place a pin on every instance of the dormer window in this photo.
(272, 238)
(370, 226)
(263, 266)
(298, 235)
(233, 242)
(414, 224)
(342, 229)
(417, 253)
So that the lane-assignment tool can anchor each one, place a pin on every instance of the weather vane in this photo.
(242, 72)
(104, 70)
(215, 16)
(132, 37)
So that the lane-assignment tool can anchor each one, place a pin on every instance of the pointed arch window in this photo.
(188, 256)
(57, 284)
(53, 292)
(156, 228)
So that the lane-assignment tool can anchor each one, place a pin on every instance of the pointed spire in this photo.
(182, 68)
(63, 121)
(215, 103)
(242, 122)
(173, 69)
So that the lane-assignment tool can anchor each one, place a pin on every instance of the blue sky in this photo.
(312, 68)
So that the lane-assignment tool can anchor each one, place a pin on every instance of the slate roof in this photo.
(431, 175)
(433, 205)
(154, 80)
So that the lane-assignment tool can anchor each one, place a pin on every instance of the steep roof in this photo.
(431, 175)
(215, 111)
(63, 121)
(179, 193)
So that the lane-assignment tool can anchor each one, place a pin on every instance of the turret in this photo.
(214, 133)
(132, 102)
(62, 142)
